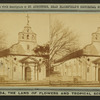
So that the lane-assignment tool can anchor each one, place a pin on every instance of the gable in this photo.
(30, 59)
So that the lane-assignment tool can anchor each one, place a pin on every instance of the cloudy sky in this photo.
(82, 24)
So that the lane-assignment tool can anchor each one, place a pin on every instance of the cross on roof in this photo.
(27, 19)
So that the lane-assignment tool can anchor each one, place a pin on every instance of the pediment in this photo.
(29, 59)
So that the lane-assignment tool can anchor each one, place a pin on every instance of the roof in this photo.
(70, 56)
(89, 50)
(27, 29)
(7, 52)
(4, 52)
(97, 61)
(29, 59)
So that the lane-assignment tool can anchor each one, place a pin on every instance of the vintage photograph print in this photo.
(50, 49)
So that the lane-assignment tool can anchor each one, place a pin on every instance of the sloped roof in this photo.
(29, 59)
(4, 52)
(17, 49)
(71, 56)
(89, 50)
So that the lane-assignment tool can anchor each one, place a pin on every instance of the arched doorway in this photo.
(27, 73)
(99, 74)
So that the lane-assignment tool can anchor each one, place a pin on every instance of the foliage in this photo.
(42, 50)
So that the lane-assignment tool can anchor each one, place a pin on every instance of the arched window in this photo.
(27, 36)
(96, 37)
(22, 36)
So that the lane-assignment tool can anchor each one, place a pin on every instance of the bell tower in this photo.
(27, 38)
(96, 35)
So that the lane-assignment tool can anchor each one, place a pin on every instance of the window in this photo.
(22, 36)
(88, 59)
(1, 63)
(96, 37)
(39, 59)
(27, 36)
(14, 58)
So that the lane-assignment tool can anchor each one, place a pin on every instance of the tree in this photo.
(42, 50)
(63, 41)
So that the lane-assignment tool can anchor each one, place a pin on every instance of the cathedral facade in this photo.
(82, 65)
(19, 62)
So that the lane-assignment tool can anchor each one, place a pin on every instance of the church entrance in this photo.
(28, 74)
(99, 74)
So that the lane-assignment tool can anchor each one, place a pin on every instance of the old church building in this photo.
(82, 65)
(19, 62)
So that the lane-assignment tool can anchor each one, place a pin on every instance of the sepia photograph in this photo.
(75, 50)
(24, 49)
(50, 49)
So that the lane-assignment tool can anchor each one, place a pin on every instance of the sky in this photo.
(13, 23)
(82, 24)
